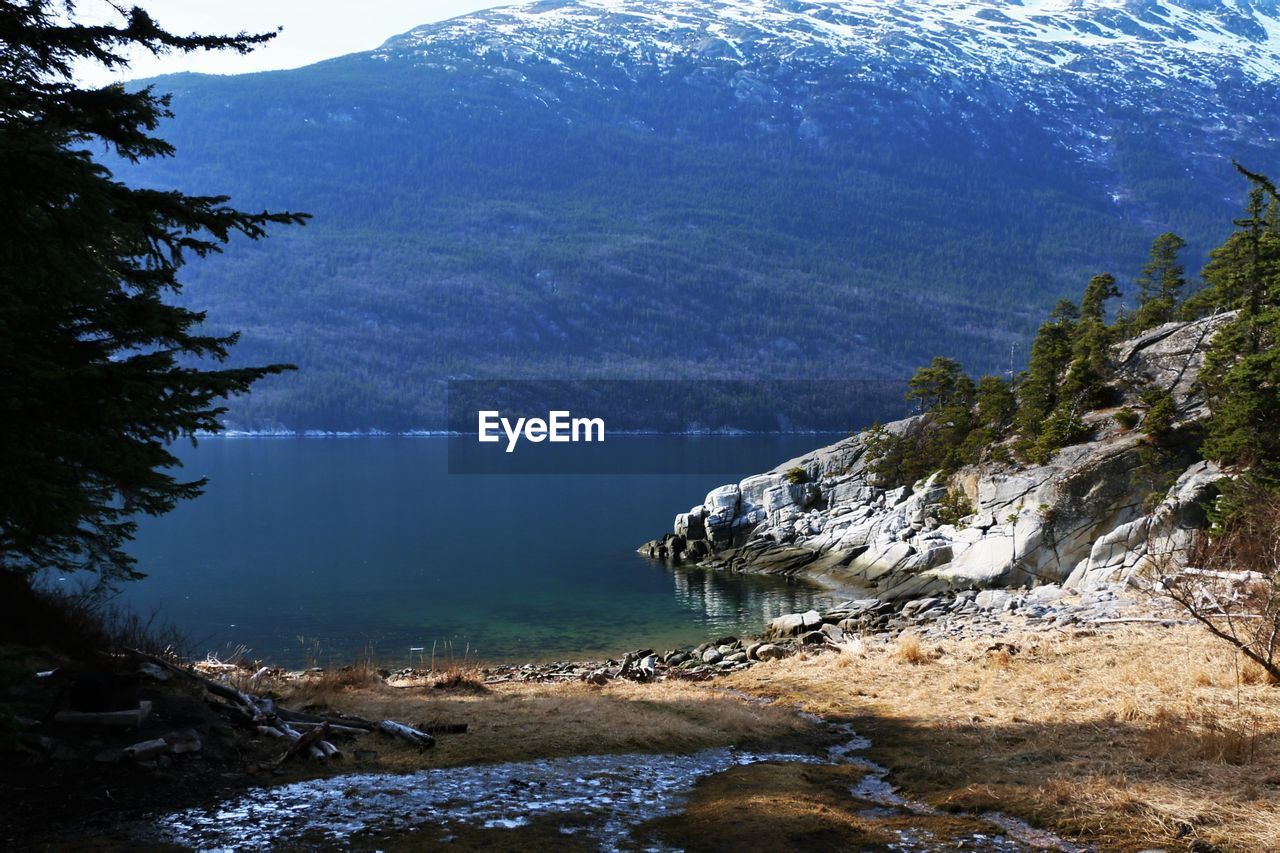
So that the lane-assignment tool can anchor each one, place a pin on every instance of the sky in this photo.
(313, 30)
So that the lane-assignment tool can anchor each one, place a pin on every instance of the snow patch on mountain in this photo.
(1175, 39)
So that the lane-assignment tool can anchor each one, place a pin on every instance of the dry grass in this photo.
(516, 722)
(910, 650)
(1144, 736)
(788, 806)
(1130, 739)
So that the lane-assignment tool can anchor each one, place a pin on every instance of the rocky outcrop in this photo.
(1151, 541)
(1081, 519)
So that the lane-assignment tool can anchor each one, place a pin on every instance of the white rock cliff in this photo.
(1078, 520)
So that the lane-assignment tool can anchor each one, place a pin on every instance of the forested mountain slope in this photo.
(723, 188)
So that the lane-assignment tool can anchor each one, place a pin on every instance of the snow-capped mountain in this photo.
(1076, 63)
(1176, 38)
(832, 188)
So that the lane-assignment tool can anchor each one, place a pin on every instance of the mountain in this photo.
(730, 188)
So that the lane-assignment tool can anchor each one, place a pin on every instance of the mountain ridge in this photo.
(487, 209)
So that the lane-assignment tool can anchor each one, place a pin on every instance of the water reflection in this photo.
(731, 600)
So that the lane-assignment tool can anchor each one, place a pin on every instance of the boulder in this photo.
(184, 741)
(992, 599)
(751, 490)
(723, 499)
(919, 605)
(648, 667)
(769, 651)
(1046, 594)
(787, 626)
(1151, 540)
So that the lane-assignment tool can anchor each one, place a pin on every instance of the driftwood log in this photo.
(334, 728)
(262, 715)
(346, 720)
(307, 744)
(422, 740)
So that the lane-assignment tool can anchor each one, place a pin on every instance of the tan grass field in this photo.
(518, 722)
(1129, 738)
(1133, 738)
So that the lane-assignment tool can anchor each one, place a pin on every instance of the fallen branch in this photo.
(224, 691)
(262, 713)
(306, 744)
(422, 740)
(340, 720)
(1234, 577)
(336, 728)
(1134, 619)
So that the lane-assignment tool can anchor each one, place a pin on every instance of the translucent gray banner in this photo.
(601, 426)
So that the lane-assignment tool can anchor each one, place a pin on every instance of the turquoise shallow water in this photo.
(322, 549)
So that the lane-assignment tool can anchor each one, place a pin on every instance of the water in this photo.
(320, 550)
(605, 797)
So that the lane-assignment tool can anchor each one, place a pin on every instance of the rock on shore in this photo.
(1083, 519)
(1002, 616)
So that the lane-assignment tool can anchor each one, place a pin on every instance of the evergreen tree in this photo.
(98, 372)
(945, 395)
(1038, 392)
(996, 403)
(1241, 373)
(1161, 283)
(1161, 413)
(994, 408)
(943, 383)
(1093, 307)
(1085, 385)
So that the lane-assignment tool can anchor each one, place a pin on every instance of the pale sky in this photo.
(313, 30)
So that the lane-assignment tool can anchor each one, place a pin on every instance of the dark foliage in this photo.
(1070, 375)
(99, 367)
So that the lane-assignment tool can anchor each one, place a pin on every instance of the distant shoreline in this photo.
(630, 433)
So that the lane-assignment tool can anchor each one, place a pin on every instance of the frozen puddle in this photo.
(603, 796)
(609, 793)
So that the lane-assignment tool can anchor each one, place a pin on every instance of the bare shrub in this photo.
(81, 622)
(911, 650)
(1232, 582)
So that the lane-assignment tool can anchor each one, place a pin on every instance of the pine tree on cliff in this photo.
(99, 372)
(940, 385)
(993, 411)
(1241, 373)
(1160, 284)
(1085, 383)
(1038, 393)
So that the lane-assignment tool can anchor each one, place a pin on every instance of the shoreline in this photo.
(424, 433)
(1020, 715)
(965, 615)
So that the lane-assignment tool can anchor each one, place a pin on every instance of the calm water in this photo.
(321, 549)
